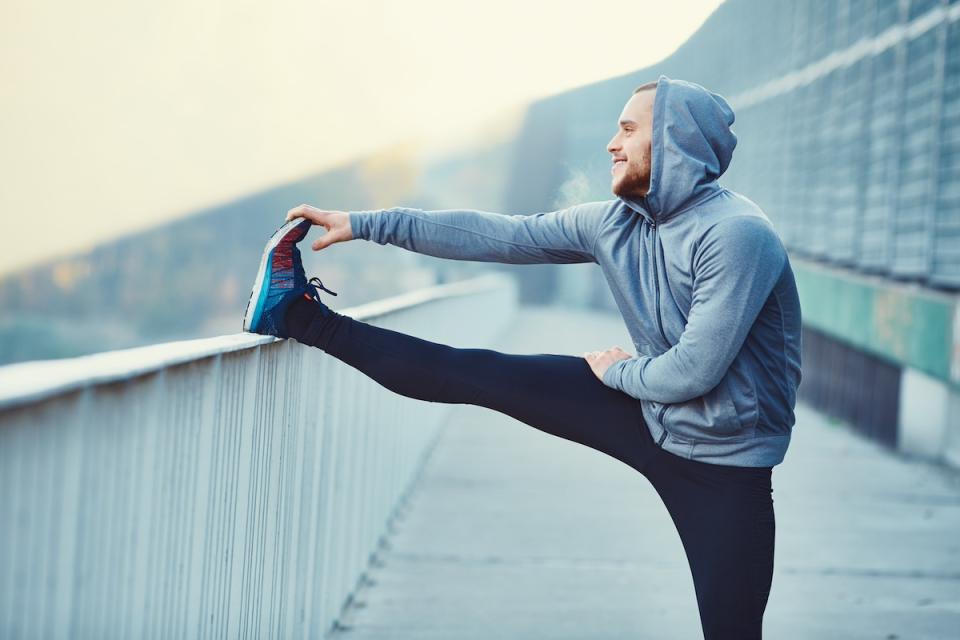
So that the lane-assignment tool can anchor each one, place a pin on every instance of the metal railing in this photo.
(230, 487)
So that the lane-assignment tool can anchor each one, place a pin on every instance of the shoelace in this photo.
(315, 284)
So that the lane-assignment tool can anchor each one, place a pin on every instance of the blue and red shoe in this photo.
(280, 280)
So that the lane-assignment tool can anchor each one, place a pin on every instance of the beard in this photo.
(633, 182)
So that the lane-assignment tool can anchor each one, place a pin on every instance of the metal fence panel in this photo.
(227, 487)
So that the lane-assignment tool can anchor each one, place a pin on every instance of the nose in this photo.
(613, 145)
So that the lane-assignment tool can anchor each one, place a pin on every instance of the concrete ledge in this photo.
(924, 414)
(907, 324)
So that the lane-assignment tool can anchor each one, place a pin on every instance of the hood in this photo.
(691, 147)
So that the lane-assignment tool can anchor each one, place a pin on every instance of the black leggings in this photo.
(724, 514)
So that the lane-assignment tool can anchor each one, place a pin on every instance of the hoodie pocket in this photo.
(722, 410)
(709, 417)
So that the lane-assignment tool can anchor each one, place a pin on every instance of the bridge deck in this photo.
(511, 533)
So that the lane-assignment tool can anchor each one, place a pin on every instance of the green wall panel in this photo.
(902, 323)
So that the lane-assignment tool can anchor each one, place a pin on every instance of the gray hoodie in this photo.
(698, 272)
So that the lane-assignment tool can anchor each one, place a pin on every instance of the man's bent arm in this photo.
(736, 268)
(564, 236)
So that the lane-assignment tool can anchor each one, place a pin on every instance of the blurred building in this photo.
(848, 118)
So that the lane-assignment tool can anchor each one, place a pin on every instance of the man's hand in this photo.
(337, 224)
(600, 360)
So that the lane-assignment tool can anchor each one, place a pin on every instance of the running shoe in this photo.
(279, 280)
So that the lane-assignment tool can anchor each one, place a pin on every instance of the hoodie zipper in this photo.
(663, 436)
(656, 280)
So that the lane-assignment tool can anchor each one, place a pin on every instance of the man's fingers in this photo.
(296, 212)
(326, 240)
(306, 211)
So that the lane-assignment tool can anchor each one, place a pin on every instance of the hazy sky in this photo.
(119, 114)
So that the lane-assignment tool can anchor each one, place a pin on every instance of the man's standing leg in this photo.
(725, 518)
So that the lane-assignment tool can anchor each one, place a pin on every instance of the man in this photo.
(705, 408)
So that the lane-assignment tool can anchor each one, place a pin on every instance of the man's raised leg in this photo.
(558, 394)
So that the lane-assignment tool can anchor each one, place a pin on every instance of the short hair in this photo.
(645, 86)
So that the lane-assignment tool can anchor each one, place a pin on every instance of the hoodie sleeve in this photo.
(564, 236)
(736, 266)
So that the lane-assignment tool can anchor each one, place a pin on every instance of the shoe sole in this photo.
(258, 294)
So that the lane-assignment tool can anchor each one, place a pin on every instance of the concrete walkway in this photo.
(512, 533)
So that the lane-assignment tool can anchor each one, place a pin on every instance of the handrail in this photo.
(33, 381)
(230, 486)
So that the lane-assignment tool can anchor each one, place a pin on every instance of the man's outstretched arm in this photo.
(564, 236)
